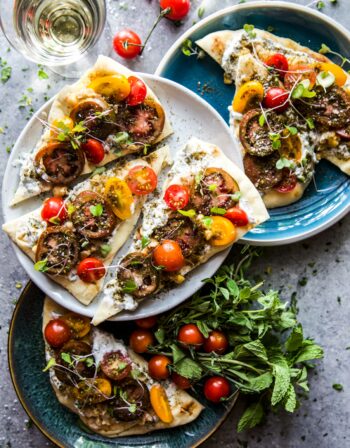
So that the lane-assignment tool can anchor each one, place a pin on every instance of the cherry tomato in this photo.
(179, 8)
(93, 150)
(57, 332)
(224, 232)
(79, 325)
(297, 73)
(169, 255)
(54, 211)
(127, 44)
(237, 216)
(140, 340)
(288, 184)
(216, 342)
(279, 62)
(276, 98)
(216, 388)
(189, 335)
(177, 197)
(142, 180)
(158, 367)
(138, 91)
(146, 322)
(91, 270)
(181, 381)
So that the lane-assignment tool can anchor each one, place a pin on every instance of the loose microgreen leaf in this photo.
(105, 249)
(145, 241)
(218, 211)
(212, 187)
(132, 408)
(324, 49)
(89, 361)
(207, 221)
(55, 220)
(292, 130)
(98, 170)
(51, 363)
(41, 266)
(201, 11)
(310, 122)
(79, 127)
(320, 5)
(96, 210)
(121, 137)
(325, 79)
(67, 358)
(129, 286)
(338, 387)
(70, 209)
(298, 91)
(249, 29)
(189, 213)
(284, 163)
(188, 49)
(262, 120)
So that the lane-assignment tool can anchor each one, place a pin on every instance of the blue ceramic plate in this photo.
(328, 198)
(56, 422)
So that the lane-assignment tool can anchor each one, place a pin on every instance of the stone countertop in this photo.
(323, 419)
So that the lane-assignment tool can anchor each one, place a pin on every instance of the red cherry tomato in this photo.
(146, 322)
(288, 184)
(298, 73)
(181, 381)
(177, 197)
(54, 211)
(279, 62)
(216, 342)
(142, 180)
(179, 8)
(276, 98)
(91, 270)
(237, 216)
(169, 255)
(216, 388)
(138, 91)
(93, 150)
(127, 44)
(140, 340)
(189, 335)
(57, 333)
(158, 367)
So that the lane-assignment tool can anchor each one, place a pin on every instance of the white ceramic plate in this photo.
(190, 116)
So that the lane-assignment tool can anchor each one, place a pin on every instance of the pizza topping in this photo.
(224, 232)
(277, 99)
(59, 163)
(237, 216)
(57, 251)
(279, 63)
(288, 182)
(297, 73)
(92, 216)
(57, 333)
(262, 171)
(177, 197)
(116, 86)
(248, 96)
(142, 180)
(137, 276)
(338, 73)
(78, 325)
(94, 151)
(119, 197)
(132, 400)
(138, 91)
(54, 211)
(160, 403)
(71, 364)
(91, 270)
(92, 391)
(116, 366)
(169, 256)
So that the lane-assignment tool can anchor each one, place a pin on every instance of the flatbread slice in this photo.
(96, 417)
(194, 164)
(31, 183)
(26, 230)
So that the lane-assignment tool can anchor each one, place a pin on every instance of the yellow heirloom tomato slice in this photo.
(224, 232)
(160, 403)
(116, 85)
(61, 125)
(246, 94)
(119, 197)
(336, 70)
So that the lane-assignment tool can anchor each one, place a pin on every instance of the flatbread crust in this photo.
(184, 407)
(85, 292)
(63, 104)
(251, 201)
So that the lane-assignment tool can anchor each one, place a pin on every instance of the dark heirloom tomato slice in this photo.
(344, 134)
(59, 163)
(213, 190)
(59, 249)
(92, 216)
(137, 268)
(262, 171)
(130, 392)
(288, 182)
(115, 365)
(78, 352)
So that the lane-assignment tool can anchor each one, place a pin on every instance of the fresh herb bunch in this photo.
(263, 361)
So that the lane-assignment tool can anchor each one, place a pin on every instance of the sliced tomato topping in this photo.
(138, 91)
(279, 62)
(119, 197)
(90, 270)
(142, 180)
(54, 211)
(93, 150)
(237, 216)
(287, 184)
(177, 197)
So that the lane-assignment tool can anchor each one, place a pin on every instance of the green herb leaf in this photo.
(251, 417)
(105, 249)
(89, 361)
(67, 358)
(189, 213)
(282, 376)
(129, 286)
(178, 354)
(292, 130)
(207, 221)
(132, 408)
(201, 12)
(160, 335)
(187, 48)
(42, 74)
(236, 196)
(98, 170)
(70, 209)
(324, 49)
(188, 368)
(121, 137)
(217, 211)
(41, 266)
(212, 187)
(262, 120)
(55, 220)
(261, 382)
(290, 402)
(249, 29)
(51, 363)
(298, 91)
(310, 123)
(338, 387)
(284, 163)
(295, 339)
(145, 241)
(96, 210)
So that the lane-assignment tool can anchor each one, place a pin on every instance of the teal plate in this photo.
(328, 198)
(56, 422)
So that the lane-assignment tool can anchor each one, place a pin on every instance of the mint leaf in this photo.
(189, 213)
(295, 339)
(261, 382)
(251, 417)
(308, 351)
(178, 354)
(96, 210)
(290, 402)
(281, 373)
(257, 348)
(160, 335)
(188, 368)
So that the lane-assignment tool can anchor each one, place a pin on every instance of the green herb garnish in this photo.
(129, 286)
(96, 210)
(189, 213)
(41, 266)
(218, 210)
(249, 29)
(105, 249)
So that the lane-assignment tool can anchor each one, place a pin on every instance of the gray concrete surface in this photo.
(323, 420)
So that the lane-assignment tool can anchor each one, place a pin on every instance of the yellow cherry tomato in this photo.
(246, 94)
(336, 70)
(79, 325)
(116, 85)
(92, 391)
(119, 197)
(61, 125)
(224, 231)
(160, 403)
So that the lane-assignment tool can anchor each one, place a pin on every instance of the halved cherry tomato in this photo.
(140, 340)
(146, 322)
(237, 216)
(54, 211)
(288, 184)
(247, 95)
(181, 381)
(93, 150)
(93, 391)
(57, 333)
(91, 270)
(297, 73)
(276, 98)
(216, 388)
(336, 70)
(216, 342)
(138, 91)
(119, 197)
(142, 180)
(177, 196)
(158, 367)
(61, 125)
(224, 232)
(160, 403)
(179, 8)
(190, 335)
(116, 365)
(169, 255)
(127, 44)
(79, 325)
(116, 85)
(279, 62)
